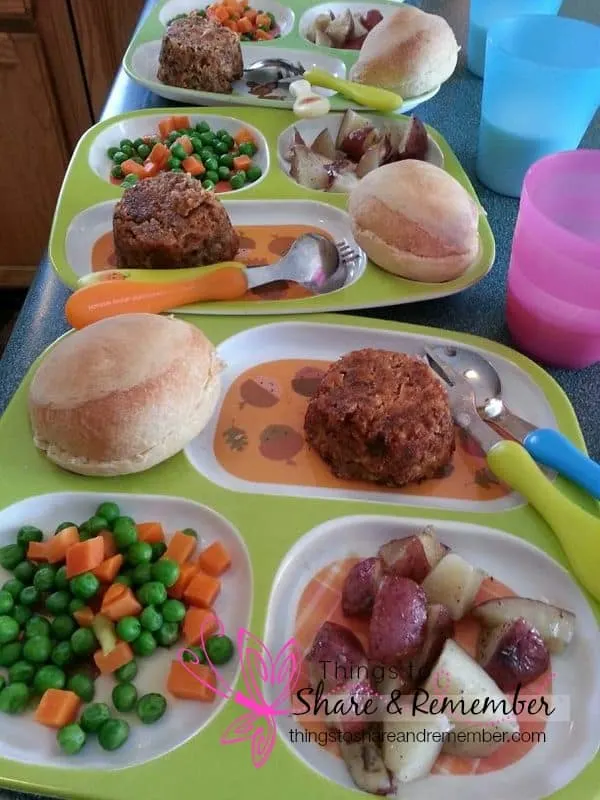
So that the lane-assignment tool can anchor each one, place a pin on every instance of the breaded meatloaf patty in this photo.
(381, 416)
(171, 221)
(200, 54)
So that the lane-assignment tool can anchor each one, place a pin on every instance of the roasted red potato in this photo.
(438, 628)
(397, 628)
(413, 556)
(360, 587)
(513, 654)
(336, 657)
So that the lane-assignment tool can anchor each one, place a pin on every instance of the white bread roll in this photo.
(415, 220)
(123, 394)
(409, 52)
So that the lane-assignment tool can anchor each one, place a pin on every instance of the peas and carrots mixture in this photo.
(251, 24)
(222, 162)
(66, 617)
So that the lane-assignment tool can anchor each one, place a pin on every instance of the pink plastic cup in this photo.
(553, 301)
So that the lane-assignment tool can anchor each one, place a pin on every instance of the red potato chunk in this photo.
(413, 556)
(439, 628)
(360, 587)
(397, 628)
(513, 654)
(336, 657)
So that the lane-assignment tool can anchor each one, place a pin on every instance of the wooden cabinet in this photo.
(58, 59)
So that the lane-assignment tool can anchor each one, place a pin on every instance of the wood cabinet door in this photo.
(34, 156)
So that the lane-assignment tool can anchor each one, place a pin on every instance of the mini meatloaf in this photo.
(171, 221)
(200, 54)
(381, 416)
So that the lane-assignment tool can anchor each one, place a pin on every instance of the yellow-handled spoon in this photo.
(577, 530)
(369, 96)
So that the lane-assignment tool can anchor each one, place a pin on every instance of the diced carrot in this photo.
(186, 573)
(131, 167)
(244, 25)
(159, 154)
(85, 556)
(150, 532)
(251, 14)
(230, 4)
(242, 162)
(215, 560)
(108, 570)
(244, 135)
(261, 35)
(57, 708)
(192, 166)
(126, 605)
(181, 122)
(185, 686)
(221, 13)
(37, 551)
(198, 623)
(202, 590)
(222, 186)
(166, 126)
(186, 143)
(119, 656)
(231, 24)
(61, 543)
(114, 592)
(180, 548)
(84, 617)
(150, 169)
(110, 548)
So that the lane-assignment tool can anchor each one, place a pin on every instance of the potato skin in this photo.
(518, 657)
(360, 587)
(406, 557)
(336, 657)
(397, 628)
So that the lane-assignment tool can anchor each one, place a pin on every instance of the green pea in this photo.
(63, 627)
(112, 151)
(58, 602)
(196, 144)
(11, 555)
(144, 150)
(130, 181)
(253, 173)
(227, 140)
(127, 672)
(61, 581)
(152, 593)
(168, 634)
(25, 572)
(128, 629)
(158, 551)
(113, 734)
(237, 181)
(247, 149)
(197, 651)
(97, 524)
(202, 127)
(141, 574)
(63, 526)
(226, 160)
(14, 698)
(44, 578)
(207, 138)
(210, 178)
(7, 602)
(49, 677)
(119, 157)
(151, 707)
(29, 533)
(71, 738)
(173, 163)
(94, 717)
(2, 682)
(151, 619)
(206, 153)
(211, 164)
(224, 173)
(37, 649)
(14, 587)
(139, 553)
(9, 629)
(125, 143)
(83, 686)
(219, 649)
(221, 148)
(21, 672)
(124, 697)
(29, 596)
(83, 642)
(128, 150)
(165, 571)
(21, 614)
(124, 532)
(144, 645)
(37, 626)
(173, 611)
(109, 511)
(177, 151)
(10, 653)
(62, 654)
(172, 138)
(124, 579)
(85, 586)
(76, 604)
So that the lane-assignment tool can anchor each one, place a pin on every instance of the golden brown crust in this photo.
(381, 416)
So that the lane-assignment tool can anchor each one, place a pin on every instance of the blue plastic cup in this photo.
(484, 13)
(541, 89)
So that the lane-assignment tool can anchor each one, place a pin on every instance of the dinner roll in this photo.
(123, 394)
(415, 220)
(410, 52)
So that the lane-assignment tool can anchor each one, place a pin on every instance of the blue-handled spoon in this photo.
(546, 445)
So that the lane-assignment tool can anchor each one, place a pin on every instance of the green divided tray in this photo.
(141, 59)
(270, 525)
(87, 198)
